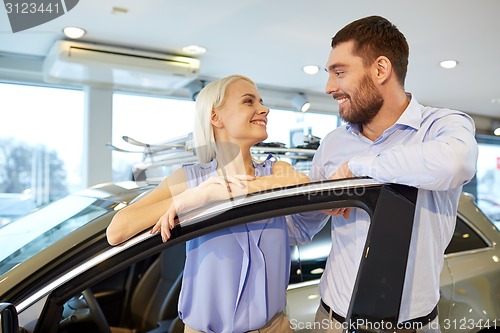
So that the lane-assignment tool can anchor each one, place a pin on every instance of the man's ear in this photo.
(216, 120)
(382, 69)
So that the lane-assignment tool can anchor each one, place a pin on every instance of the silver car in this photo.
(470, 279)
(59, 274)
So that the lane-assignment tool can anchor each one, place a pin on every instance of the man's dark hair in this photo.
(375, 36)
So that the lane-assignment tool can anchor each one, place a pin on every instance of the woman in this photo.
(255, 258)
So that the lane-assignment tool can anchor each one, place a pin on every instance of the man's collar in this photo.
(411, 117)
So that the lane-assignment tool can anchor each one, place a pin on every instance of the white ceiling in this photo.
(270, 40)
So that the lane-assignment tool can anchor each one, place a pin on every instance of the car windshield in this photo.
(31, 234)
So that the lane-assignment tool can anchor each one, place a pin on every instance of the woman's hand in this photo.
(166, 223)
(226, 182)
(213, 189)
(224, 188)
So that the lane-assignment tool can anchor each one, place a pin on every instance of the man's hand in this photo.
(346, 212)
(341, 173)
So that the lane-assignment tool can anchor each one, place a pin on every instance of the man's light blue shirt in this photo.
(429, 148)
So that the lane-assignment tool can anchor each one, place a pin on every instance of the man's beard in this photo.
(366, 104)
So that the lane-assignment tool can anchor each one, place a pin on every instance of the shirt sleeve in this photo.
(303, 226)
(445, 161)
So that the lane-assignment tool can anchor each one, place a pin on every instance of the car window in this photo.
(31, 234)
(309, 260)
(464, 239)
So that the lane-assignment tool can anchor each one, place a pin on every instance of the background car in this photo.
(470, 278)
(58, 270)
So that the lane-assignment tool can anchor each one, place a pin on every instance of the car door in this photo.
(42, 307)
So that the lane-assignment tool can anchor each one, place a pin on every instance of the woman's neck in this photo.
(234, 160)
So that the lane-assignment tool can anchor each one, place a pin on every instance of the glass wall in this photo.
(150, 120)
(41, 144)
(156, 121)
(296, 128)
(488, 177)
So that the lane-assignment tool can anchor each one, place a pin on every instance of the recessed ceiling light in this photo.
(73, 32)
(448, 64)
(194, 49)
(119, 10)
(310, 69)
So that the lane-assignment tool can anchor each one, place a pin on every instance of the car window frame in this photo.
(479, 233)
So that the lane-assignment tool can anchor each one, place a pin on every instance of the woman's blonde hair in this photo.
(211, 97)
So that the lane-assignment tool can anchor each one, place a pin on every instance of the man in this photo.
(389, 137)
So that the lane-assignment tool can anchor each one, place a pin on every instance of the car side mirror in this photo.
(9, 323)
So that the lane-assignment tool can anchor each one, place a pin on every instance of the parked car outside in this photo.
(62, 276)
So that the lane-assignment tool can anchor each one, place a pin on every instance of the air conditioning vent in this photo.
(118, 68)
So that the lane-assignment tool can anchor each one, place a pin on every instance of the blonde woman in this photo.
(250, 295)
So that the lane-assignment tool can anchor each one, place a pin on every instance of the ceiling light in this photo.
(73, 32)
(194, 49)
(495, 127)
(448, 64)
(195, 87)
(300, 102)
(310, 69)
(119, 10)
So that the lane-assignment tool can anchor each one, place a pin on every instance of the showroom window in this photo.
(156, 120)
(146, 119)
(488, 177)
(41, 135)
(297, 128)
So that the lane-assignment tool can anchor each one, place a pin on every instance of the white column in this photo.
(96, 159)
